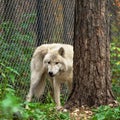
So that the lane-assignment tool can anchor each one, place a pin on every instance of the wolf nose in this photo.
(51, 74)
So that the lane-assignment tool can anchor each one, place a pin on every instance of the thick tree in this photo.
(92, 75)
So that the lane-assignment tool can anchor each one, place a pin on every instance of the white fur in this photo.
(54, 58)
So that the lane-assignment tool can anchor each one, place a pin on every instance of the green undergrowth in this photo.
(106, 113)
(12, 106)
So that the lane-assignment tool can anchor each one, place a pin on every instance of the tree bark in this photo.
(92, 75)
(40, 29)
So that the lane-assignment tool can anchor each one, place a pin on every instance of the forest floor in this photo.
(82, 113)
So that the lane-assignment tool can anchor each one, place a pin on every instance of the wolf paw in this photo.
(59, 108)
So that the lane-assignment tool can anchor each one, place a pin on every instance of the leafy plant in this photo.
(115, 65)
(7, 75)
(12, 106)
(9, 105)
(46, 112)
(106, 113)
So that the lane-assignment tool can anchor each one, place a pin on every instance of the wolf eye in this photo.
(49, 62)
(56, 62)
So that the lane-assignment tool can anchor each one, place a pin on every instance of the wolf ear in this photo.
(43, 52)
(61, 51)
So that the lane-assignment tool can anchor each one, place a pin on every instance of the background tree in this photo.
(8, 17)
(92, 75)
(40, 29)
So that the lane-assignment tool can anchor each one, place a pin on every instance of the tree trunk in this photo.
(40, 29)
(92, 75)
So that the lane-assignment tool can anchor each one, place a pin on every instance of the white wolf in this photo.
(54, 61)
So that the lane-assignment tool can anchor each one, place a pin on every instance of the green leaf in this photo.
(12, 70)
(12, 77)
(3, 75)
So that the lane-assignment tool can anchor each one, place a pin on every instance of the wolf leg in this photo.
(56, 86)
(35, 78)
(69, 84)
(39, 89)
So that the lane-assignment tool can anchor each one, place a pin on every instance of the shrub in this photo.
(106, 113)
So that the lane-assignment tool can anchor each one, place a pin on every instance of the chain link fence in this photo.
(25, 24)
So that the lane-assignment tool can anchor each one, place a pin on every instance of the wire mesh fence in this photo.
(25, 24)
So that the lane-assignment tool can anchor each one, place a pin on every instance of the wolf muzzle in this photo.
(51, 74)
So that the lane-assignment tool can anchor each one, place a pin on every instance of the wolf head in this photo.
(54, 62)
